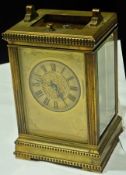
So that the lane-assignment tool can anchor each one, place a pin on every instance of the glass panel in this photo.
(106, 82)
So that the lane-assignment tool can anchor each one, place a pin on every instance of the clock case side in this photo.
(92, 87)
(110, 135)
(107, 141)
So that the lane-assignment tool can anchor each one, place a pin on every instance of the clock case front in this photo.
(84, 44)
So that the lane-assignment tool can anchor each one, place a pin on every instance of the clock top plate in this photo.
(62, 28)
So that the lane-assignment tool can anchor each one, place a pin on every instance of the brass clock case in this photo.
(64, 70)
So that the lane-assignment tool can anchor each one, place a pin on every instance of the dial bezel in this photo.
(73, 97)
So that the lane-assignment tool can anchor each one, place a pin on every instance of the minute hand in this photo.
(59, 94)
(55, 87)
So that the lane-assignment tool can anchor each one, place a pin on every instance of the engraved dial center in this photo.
(55, 86)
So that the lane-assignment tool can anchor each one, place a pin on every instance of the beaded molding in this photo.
(58, 149)
(58, 161)
(58, 40)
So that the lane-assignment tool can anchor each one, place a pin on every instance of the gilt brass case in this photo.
(64, 69)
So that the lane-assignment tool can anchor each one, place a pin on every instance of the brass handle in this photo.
(30, 13)
(96, 17)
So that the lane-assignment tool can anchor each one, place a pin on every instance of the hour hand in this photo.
(53, 85)
(56, 88)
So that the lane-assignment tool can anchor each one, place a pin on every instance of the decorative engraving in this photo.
(57, 149)
(58, 40)
(59, 161)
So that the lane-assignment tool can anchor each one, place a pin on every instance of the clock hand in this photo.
(59, 94)
(55, 87)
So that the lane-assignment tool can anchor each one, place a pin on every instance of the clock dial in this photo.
(54, 85)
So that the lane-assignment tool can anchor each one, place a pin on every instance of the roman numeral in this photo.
(73, 88)
(63, 70)
(71, 97)
(36, 84)
(53, 67)
(38, 78)
(70, 78)
(46, 101)
(55, 105)
(39, 93)
(44, 68)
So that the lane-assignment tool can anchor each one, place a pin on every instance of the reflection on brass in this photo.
(30, 13)
(96, 18)
(50, 27)
(63, 76)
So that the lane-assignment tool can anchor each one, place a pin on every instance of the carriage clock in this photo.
(64, 70)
